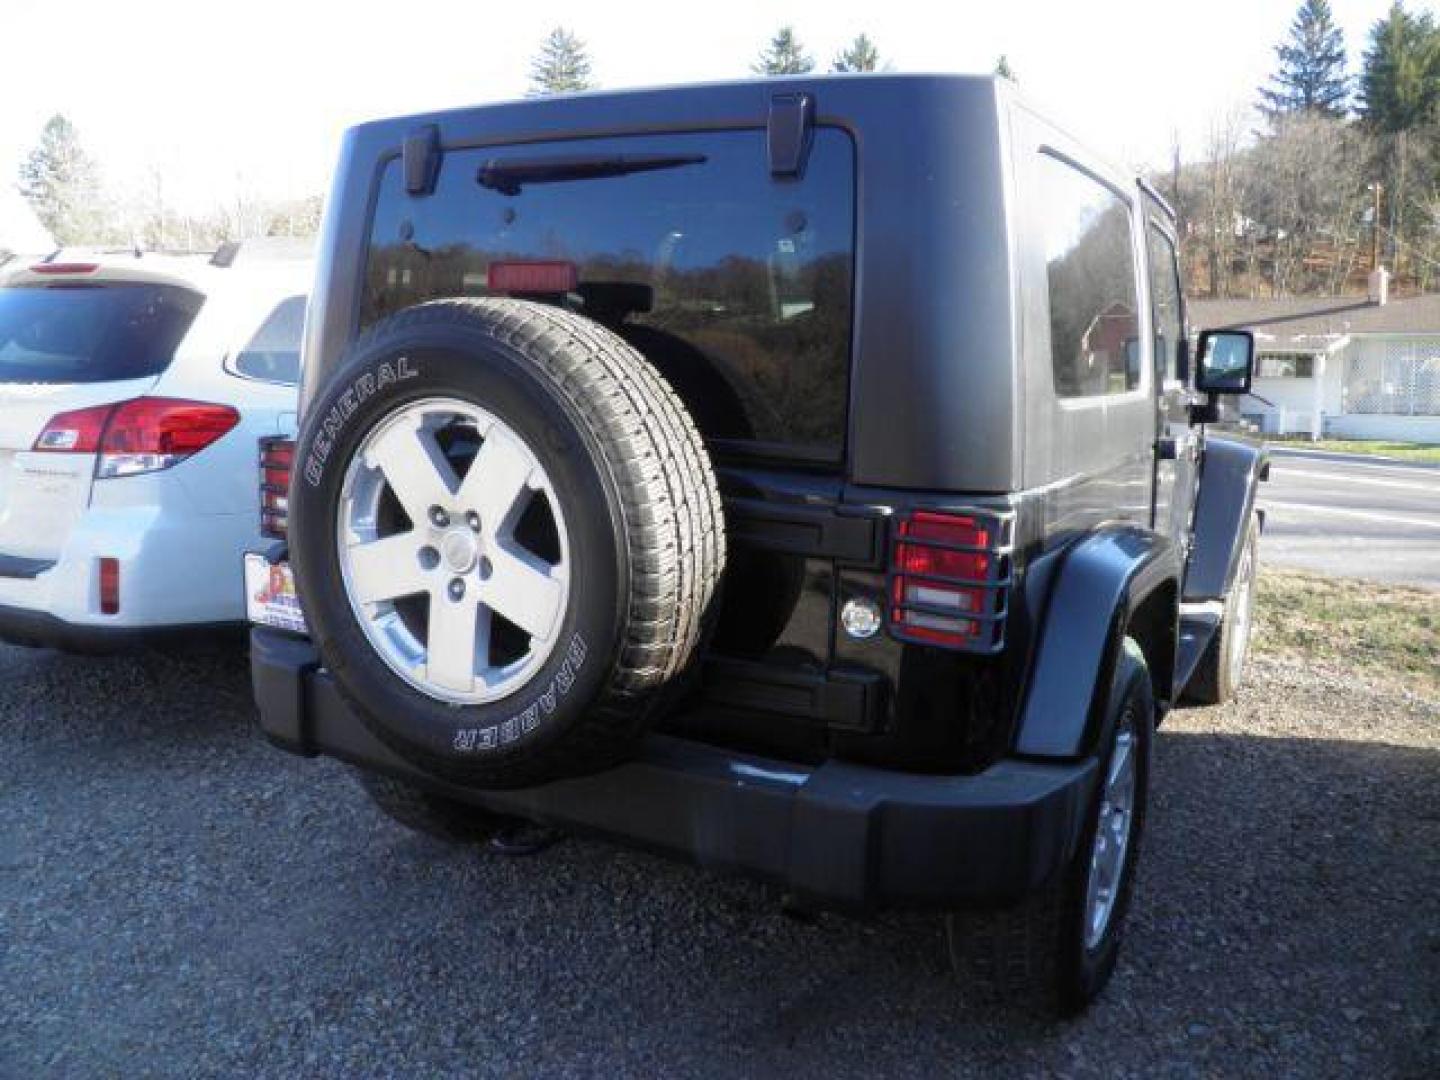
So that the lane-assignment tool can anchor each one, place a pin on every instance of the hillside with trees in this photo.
(1342, 174)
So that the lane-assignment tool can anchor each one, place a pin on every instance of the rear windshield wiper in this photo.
(508, 176)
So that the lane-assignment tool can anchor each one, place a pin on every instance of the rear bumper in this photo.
(837, 834)
(41, 630)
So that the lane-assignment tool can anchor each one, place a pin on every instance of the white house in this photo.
(1344, 367)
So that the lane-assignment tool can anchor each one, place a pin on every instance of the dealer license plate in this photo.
(270, 598)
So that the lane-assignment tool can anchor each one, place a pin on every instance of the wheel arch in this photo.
(1230, 476)
(1116, 582)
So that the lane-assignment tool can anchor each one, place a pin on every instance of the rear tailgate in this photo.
(43, 494)
(72, 336)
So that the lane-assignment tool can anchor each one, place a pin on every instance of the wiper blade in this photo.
(509, 175)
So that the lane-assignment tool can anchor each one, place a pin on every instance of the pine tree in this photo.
(1400, 103)
(62, 183)
(1400, 83)
(1311, 76)
(860, 56)
(784, 56)
(561, 67)
(1003, 68)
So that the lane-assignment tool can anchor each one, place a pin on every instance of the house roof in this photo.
(1314, 318)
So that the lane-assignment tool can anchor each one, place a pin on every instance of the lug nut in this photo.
(457, 589)
(438, 517)
(473, 520)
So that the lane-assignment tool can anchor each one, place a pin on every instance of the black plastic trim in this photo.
(1102, 580)
(39, 629)
(789, 132)
(1230, 473)
(421, 159)
(836, 834)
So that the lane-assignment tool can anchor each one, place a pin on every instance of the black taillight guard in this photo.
(994, 586)
(277, 453)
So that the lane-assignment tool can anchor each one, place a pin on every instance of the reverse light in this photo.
(949, 579)
(138, 436)
(277, 459)
(76, 432)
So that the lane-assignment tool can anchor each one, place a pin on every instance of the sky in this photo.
(215, 98)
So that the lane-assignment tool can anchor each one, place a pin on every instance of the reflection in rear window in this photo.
(734, 284)
(91, 333)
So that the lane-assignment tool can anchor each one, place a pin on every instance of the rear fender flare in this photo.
(1102, 581)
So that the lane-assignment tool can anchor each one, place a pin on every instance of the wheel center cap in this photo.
(460, 549)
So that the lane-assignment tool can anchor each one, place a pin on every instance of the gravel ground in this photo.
(178, 898)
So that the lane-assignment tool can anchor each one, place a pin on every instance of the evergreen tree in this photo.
(1311, 77)
(1004, 70)
(783, 56)
(1400, 84)
(561, 67)
(860, 56)
(62, 183)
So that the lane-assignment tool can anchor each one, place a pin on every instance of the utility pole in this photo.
(1377, 188)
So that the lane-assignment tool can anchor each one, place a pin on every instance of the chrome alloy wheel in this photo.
(1239, 639)
(453, 551)
(1112, 833)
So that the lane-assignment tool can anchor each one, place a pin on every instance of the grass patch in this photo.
(1380, 629)
(1428, 452)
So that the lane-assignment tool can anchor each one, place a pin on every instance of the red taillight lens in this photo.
(277, 459)
(945, 567)
(109, 586)
(76, 432)
(535, 276)
(138, 436)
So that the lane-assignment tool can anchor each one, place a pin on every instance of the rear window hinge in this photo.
(789, 133)
(421, 154)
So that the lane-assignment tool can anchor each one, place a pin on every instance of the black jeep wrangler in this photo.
(805, 477)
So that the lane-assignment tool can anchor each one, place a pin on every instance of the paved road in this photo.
(1353, 516)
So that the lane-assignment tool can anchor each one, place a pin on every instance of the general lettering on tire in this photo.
(385, 374)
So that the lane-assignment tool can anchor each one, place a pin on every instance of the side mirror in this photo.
(1226, 361)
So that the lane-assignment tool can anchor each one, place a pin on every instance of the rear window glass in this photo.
(273, 354)
(736, 285)
(91, 333)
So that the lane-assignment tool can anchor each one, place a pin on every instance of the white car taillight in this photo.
(138, 436)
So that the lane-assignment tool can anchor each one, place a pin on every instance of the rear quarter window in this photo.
(735, 285)
(91, 333)
(1090, 274)
(273, 353)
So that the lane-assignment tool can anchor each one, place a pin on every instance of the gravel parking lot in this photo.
(178, 898)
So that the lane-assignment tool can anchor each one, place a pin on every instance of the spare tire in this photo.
(508, 539)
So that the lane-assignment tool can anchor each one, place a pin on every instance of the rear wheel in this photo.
(1056, 951)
